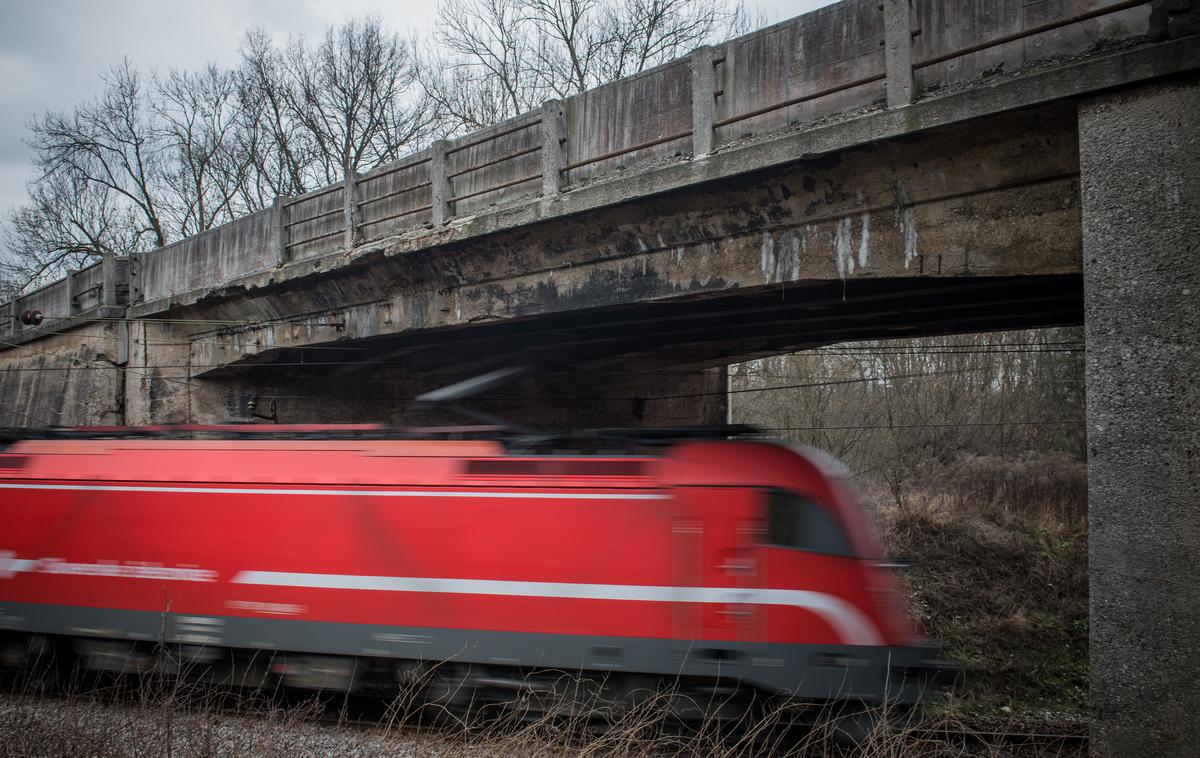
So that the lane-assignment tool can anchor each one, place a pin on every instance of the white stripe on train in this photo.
(349, 493)
(851, 624)
(358, 493)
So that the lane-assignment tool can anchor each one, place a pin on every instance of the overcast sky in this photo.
(52, 52)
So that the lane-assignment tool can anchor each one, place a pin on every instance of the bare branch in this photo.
(501, 58)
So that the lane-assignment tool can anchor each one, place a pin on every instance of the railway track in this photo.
(376, 721)
(1006, 742)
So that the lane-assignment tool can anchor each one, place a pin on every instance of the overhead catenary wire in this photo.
(830, 349)
(997, 353)
(81, 363)
(840, 350)
(90, 365)
(448, 373)
(886, 427)
(717, 393)
(149, 320)
(1025, 348)
(826, 383)
(303, 319)
(934, 425)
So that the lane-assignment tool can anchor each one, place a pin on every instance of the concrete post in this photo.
(439, 183)
(122, 330)
(135, 278)
(72, 292)
(1140, 187)
(279, 230)
(108, 278)
(554, 137)
(897, 33)
(350, 209)
(704, 101)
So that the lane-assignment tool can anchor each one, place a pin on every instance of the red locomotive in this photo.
(351, 561)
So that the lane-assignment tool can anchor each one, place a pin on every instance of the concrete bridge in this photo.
(878, 168)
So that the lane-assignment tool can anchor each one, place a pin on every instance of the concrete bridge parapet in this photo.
(853, 58)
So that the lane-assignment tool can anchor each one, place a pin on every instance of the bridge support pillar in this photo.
(1140, 190)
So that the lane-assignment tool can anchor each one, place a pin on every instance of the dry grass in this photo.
(98, 726)
(999, 554)
(162, 715)
(1050, 487)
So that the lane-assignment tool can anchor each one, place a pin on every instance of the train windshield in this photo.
(796, 521)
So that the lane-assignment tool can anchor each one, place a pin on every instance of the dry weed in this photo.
(999, 573)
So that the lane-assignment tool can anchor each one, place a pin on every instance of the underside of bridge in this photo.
(619, 365)
(704, 331)
(628, 314)
(625, 314)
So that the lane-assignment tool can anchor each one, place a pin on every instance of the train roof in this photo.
(368, 454)
(506, 434)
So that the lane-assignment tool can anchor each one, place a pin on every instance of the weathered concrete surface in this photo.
(224, 253)
(932, 199)
(96, 293)
(956, 106)
(68, 378)
(971, 201)
(1140, 182)
(776, 260)
(837, 63)
(383, 391)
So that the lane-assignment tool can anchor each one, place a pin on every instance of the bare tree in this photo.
(149, 161)
(500, 58)
(198, 115)
(68, 222)
(277, 147)
(346, 105)
(485, 69)
(650, 32)
(577, 34)
(891, 407)
(8, 286)
(112, 142)
(154, 159)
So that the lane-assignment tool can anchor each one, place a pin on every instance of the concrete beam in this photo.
(704, 106)
(997, 96)
(279, 230)
(1140, 187)
(350, 209)
(897, 25)
(554, 136)
(439, 182)
(966, 202)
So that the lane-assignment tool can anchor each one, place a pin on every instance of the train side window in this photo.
(795, 521)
